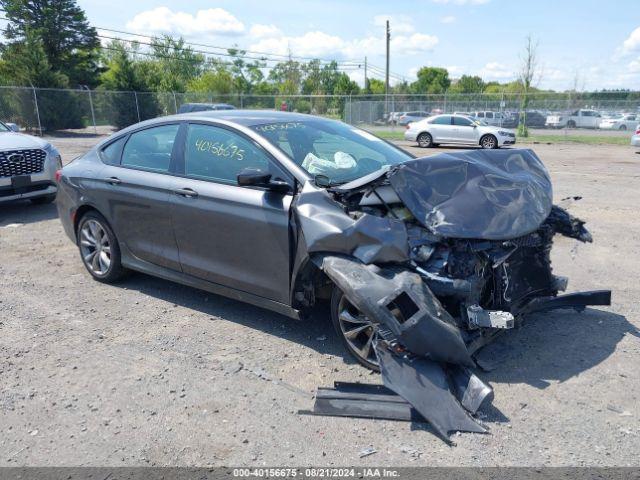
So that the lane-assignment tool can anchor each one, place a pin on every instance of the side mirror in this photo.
(254, 177)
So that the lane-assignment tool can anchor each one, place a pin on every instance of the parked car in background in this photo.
(203, 107)
(635, 139)
(414, 116)
(14, 127)
(393, 117)
(457, 130)
(582, 118)
(489, 117)
(621, 122)
(27, 167)
(533, 118)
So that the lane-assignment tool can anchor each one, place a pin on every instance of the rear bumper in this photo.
(411, 136)
(635, 140)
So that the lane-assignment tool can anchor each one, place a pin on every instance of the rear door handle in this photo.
(186, 192)
(114, 181)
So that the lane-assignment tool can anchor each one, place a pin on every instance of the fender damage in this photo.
(441, 253)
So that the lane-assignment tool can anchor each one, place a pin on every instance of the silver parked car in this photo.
(414, 116)
(27, 167)
(458, 130)
(635, 139)
(620, 122)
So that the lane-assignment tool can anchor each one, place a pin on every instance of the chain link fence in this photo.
(43, 110)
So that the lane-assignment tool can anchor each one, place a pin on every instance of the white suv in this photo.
(582, 118)
(27, 167)
(490, 118)
(458, 130)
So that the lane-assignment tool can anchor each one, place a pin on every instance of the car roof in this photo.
(247, 118)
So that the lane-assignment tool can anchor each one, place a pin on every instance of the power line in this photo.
(264, 54)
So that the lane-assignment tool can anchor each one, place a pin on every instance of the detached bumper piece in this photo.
(578, 301)
(415, 389)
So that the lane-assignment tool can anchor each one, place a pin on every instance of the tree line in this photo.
(51, 44)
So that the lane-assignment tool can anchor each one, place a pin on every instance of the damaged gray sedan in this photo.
(423, 260)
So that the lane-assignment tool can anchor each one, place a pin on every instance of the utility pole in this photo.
(365, 75)
(386, 75)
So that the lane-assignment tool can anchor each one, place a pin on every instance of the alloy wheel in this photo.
(95, 247)
(488, 142)
(358, 331)
(424, 140)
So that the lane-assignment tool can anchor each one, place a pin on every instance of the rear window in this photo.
(111, 153)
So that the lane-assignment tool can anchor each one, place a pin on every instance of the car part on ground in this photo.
(27, 167)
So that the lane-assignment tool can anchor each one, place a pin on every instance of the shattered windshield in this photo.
(333, 149)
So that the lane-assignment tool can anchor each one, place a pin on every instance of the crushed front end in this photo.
(443, 253)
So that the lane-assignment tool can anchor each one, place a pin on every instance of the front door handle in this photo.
(186, 192)
(114, 181)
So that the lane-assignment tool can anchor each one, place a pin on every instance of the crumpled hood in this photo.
(491, 195)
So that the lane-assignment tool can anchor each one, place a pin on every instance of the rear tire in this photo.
(623, 127)
(425, 140)
(356, 331)
(571, 124)
(99, 248)
(44, 200)
(489, 142)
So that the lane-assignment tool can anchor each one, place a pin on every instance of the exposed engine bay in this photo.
(442, 254)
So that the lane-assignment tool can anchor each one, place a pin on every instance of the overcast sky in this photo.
(597, 42)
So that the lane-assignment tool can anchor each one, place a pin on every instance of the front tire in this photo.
(355, 330)
(489, 142)
(425, 140)
(99, 248)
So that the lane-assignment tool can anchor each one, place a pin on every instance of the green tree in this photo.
(123, 75)
(26, 63)
(376, 86)
(528, 75)
(431, 80)
(218, 81)
(468, 84)
(245, 75)
(172, 65)
(69, 43)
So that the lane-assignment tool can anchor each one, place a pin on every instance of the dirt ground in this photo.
(147, 372)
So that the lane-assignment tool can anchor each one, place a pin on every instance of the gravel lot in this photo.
(147, 372)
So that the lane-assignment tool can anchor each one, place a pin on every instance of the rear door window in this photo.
(219, 154)
(150, 149)
(443, 120)
(111, 153)
(489, 115)
(461, 121)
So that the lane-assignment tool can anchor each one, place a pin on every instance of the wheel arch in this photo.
(80, 212)
(489, 134)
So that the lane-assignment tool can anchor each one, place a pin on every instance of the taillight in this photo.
(407, 127)
(58, 175)
(638, 131)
